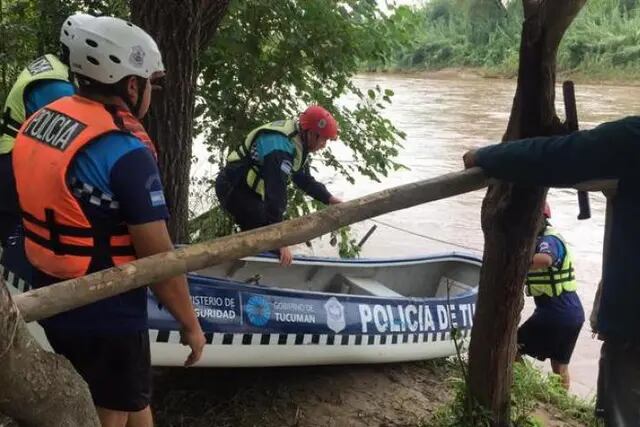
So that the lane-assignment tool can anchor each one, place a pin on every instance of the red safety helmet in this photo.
(546, 210)
(318, 120)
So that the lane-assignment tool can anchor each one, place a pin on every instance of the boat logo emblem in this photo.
(258, 310)
(335, 315)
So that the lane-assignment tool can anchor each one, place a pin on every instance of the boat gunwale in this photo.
(467, 257)
(318, 261)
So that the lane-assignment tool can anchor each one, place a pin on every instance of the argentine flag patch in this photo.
(157, 198)
(286, 167)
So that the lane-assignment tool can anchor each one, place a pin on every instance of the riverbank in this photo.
(392, 395)
(616, 77)
(600, 46)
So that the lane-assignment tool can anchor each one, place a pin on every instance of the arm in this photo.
(307, 183)
(550, 251)
(275, 173)
(541, 261)
(135, 181)
(611, 150)
(153, 238)
(276, 168)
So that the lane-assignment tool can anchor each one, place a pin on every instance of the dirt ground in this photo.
(393, 395)
(373, 395)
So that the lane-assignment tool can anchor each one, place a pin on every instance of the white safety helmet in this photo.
(108, 49)
(73, 22)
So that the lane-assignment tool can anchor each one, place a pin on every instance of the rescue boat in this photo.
(256, 313)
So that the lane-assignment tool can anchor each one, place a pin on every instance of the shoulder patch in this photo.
(286, 167)
(39, 66)
(54, 129)
(157, 198)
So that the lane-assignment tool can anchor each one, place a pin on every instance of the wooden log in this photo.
(44, 302)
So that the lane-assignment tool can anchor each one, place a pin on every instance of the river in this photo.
(444, 115)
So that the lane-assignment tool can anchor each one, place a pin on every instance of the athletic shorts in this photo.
(117, 368)
(545, 339)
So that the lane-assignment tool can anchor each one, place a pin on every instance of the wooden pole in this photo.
(48, 301)
(571, 113)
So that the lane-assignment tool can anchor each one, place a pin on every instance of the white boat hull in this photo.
(327, 312)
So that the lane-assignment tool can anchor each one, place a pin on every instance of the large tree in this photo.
(511, 213)
(182, 29)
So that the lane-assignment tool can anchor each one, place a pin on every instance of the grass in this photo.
(532, 390)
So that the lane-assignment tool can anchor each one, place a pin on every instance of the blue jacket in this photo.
(612, 150)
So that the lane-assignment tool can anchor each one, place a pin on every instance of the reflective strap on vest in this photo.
(255, 181)
(555, 279)
(56, 231)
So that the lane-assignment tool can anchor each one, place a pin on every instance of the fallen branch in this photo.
(48, 301)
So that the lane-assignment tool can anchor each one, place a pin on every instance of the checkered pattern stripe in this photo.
(95, 196)
(13, 280)
(218, 338)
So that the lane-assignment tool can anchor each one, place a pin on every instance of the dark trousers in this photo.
(244, 205)
(9, 208)
(618, 401)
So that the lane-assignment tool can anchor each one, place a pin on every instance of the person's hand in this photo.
(469, 159)
(285, 257)
(194, 338)
(333, 200)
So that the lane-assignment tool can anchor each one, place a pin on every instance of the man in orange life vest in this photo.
(91, 198)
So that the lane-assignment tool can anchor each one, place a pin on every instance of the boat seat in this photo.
(367, 286)
(455, 288)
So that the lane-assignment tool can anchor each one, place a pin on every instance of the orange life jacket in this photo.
(59, 239)
(128, 123)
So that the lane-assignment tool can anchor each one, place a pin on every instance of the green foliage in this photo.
(460, 412)
(30, 28)
(271, 58)
(603, 40)
(447, 33)
(347, 246)
(531, 389)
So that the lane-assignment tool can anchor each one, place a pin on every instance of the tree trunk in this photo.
(38, 388)
(182, 28)
(511, 214)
